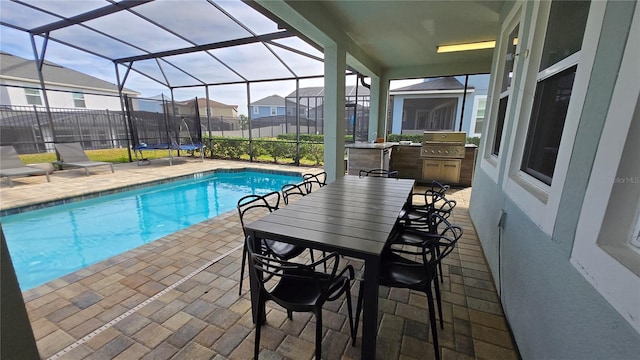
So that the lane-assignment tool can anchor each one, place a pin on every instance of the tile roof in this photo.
(273, 100)
(349, 90)
(442, 83)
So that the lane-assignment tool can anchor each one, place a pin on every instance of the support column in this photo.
(377, 110)
(383, 104)
(335, 65)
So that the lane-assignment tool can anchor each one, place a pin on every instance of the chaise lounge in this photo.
(12, 166)
(73, 155)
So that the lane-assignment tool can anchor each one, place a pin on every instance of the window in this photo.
(274, 110)
(78, 100)
(604, 251)
(477, 119)
(33, 96)
(256, 110)
(505, 90)
(558, 65)
(421, 118)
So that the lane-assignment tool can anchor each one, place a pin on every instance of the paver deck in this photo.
(177, 297)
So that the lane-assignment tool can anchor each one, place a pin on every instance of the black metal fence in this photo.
(32, 130)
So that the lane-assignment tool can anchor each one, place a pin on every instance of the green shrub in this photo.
(277, 149)
(316, 153)
(228, 147)
(473, 140)
(416, 138)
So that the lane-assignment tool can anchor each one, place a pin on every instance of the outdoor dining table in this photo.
(353, 216)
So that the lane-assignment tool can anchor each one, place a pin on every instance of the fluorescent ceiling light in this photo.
(467, 46)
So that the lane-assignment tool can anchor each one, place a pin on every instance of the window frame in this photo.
(538, 200)
(489, 163)
(610, 272)
(474, 115)
(76, 98)
(256, 110)
(274, 111)
(535, 113)
(36, 94)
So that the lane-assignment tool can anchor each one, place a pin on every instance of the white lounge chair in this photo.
(12, 166)
(73, 155)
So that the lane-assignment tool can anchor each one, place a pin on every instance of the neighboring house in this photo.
(66, 88)
(217, 109)
(437, 104)
(274, 105)
(312, 100)
(222, 116)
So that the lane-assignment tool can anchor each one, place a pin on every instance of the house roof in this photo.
(26, 70)
(273, 100)
(434, 84)
(349, 90)
(212, 103)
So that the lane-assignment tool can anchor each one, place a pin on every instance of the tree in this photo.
(244, 122)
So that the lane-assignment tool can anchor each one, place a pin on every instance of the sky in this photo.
(19, 43)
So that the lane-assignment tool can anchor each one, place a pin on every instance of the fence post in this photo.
(114, 144)
(44, 144)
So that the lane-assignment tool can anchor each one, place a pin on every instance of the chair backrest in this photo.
(379, 173)
(436, 245)
(316, 180)
(71, 152)
(299, 190)
(268, 268)
(438, 187)
(9, 157)
(319, 178)
(256, 204)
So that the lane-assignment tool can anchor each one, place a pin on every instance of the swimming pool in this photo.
(48, 243)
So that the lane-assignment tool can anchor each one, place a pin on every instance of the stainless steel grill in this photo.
(443, 144)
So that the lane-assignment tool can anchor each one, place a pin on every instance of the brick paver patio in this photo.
(177, 297)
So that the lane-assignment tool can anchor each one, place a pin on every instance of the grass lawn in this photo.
(108, 155)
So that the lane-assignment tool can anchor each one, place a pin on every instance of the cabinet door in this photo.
(431, 170)
(445, 171)
(450, 171)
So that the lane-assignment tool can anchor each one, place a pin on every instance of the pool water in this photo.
(52, 242)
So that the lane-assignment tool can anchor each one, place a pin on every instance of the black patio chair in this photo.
(299, 287)
(320, 178)
(419, 216)
(379, 173)
(415, 267)
(295, 190)
(260, 203)
(411, 231)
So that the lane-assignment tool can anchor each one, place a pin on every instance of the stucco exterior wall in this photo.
(553, 310)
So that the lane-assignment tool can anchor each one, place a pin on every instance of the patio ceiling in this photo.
(214, 42)
(398, 38)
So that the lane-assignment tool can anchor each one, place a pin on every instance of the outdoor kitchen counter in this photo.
(367, 156)
(407, 161)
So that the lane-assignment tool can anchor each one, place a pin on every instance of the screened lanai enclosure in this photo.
(226, 50)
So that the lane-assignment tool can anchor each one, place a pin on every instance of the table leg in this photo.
(370, 308)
